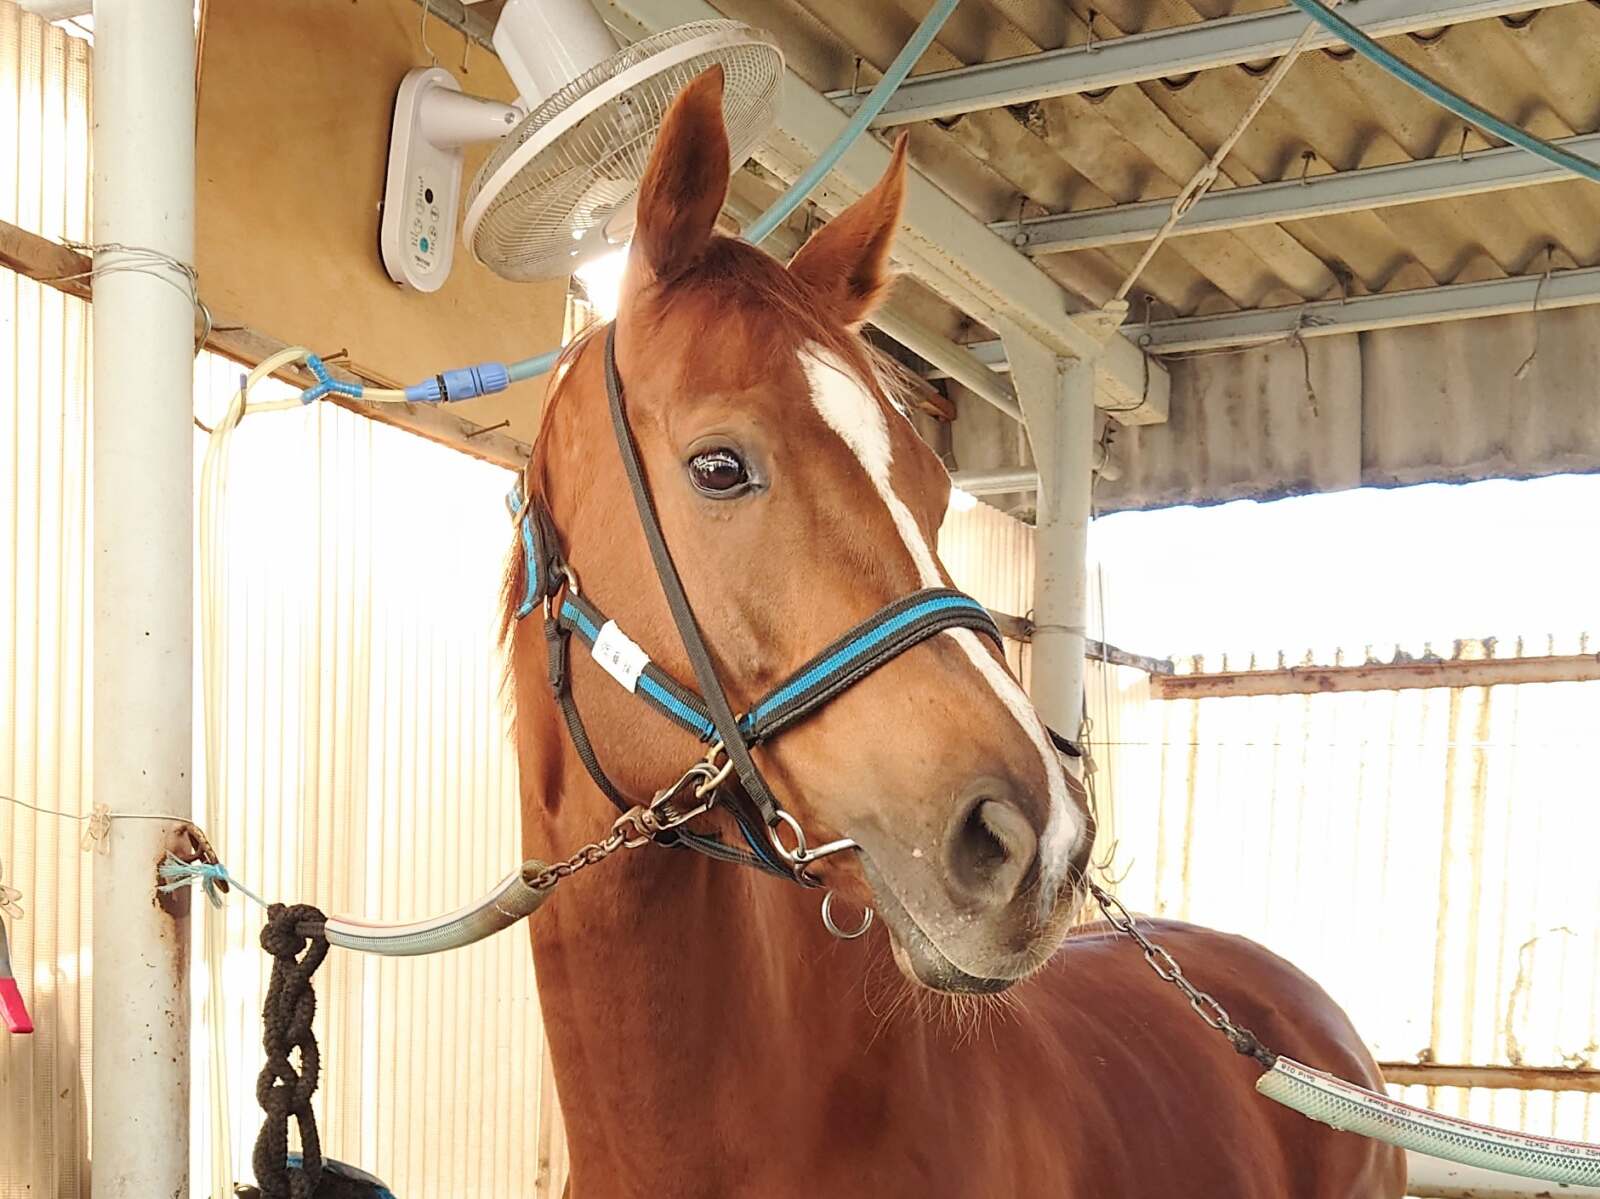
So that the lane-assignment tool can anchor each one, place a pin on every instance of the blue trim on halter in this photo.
(655, 687)
(532, 587)
(650, 690)
(841, 660)
(675, 707)
(585, 626)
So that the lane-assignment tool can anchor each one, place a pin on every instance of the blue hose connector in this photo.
(463, 383)
(327, 385)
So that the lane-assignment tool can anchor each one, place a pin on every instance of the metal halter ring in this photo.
(827, 920)
(569, 581)
(803, 855)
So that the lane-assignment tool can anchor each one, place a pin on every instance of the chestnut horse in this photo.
(709, 1037)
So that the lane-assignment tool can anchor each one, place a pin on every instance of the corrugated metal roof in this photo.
(1435, 402)
(1143, 141)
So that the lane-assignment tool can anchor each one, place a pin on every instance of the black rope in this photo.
(284, 1090)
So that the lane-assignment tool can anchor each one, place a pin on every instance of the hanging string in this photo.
(212, 877)
(97, 824)
(1521, 372)
(422, 31)
(1207, 174)
(1298, 339)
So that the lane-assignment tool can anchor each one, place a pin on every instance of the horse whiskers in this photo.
(965, 1017)
(962, 1017)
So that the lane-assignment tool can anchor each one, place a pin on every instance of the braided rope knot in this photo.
(284, 1089)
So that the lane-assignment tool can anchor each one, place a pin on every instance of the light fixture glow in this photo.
(602, 279)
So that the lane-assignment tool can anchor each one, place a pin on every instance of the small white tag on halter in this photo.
(619, 656)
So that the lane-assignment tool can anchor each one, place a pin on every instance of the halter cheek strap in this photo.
(888, 633)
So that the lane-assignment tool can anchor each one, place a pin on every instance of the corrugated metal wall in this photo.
(1427, 855)
(44, 589)
(367, 770)
(990, 557)
(1431, 403)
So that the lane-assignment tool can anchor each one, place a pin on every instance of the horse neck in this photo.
(666, 977)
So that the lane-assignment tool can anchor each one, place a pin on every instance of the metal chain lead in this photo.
(641, 824)
(1166, 967)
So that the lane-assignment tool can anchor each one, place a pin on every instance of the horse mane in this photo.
(750, 293)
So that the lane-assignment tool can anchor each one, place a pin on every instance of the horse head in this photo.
(798, 500)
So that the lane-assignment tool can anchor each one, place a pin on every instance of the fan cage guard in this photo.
(539, 205)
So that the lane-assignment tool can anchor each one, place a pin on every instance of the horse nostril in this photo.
(991, 845)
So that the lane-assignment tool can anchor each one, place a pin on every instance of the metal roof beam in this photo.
(940, 242)
(1164, 53)
(1296, 200)
(950, 359)
(1360, 314)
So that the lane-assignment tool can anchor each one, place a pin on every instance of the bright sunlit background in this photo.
(602, 281)
(1356, 568)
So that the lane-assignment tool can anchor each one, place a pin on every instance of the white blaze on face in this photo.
(852, 412)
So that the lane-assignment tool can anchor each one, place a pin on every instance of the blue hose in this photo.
(761, 228)
(527, 368)
(1439, 94)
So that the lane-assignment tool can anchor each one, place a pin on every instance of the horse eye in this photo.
(720, 473)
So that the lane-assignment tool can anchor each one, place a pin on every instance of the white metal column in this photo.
(143, 487)
(1057, 397)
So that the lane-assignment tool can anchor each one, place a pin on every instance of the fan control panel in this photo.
(417, 236)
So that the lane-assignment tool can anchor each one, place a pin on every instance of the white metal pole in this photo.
(1057, 397)
(144, 324)
(1061, 545)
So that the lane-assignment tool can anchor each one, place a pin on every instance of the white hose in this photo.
(1349, 1108)
(511, 900)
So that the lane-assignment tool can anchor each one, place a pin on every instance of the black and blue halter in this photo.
(548, 582)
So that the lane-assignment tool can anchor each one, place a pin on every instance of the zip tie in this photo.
(96, 834)
(211, 876)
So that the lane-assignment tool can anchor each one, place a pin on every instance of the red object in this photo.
(16, 1015)
(12, 1009)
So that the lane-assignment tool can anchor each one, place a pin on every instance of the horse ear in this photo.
(845, 264)
(686, 181)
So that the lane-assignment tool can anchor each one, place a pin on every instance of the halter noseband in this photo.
(889, 632)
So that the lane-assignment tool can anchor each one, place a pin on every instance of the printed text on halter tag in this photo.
(619, 656)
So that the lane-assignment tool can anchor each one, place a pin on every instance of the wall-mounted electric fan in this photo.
(559, 188)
